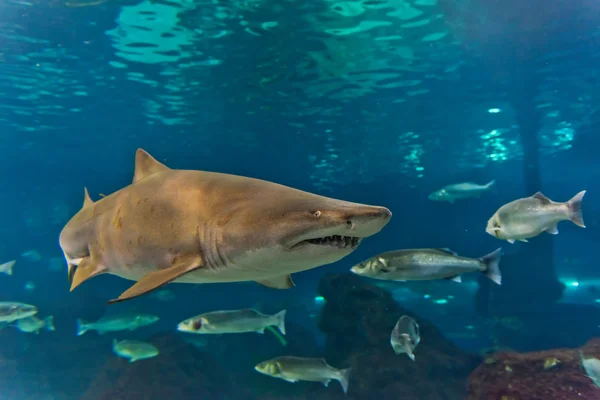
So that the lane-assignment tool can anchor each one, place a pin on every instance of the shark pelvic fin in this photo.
(146, 165)
(154, 280)
(278, 282)
(86, 269)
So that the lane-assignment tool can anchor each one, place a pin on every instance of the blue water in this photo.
(375, 102)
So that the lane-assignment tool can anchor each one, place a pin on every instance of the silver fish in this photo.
(294, 369)
(34, 324)
(134, 350)
(457, 191)
(530, 216)
(232, 321)
(12, 311)
(115, 323)
(428, 264)
(405, 336)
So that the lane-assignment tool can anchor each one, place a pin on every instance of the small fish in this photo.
(134, 350)
(34, 324)
(428, 264)
(405, 336)
(232, 321)
(458, 191)
(163, 295)
(294, 369)
(115, 323)
(12, 311)
(7, 268)
(530, 216)
(591, 365)
(29, 286)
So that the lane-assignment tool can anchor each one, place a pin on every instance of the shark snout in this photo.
(367, 221)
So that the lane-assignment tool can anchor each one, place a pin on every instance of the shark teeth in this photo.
(336, 240)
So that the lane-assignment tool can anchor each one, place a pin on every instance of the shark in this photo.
(190, 226)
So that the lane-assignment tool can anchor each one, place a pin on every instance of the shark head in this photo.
(292, 230)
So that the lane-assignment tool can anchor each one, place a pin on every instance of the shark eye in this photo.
(317, 214)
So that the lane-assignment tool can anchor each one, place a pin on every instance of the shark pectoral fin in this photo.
(146, 165)
(278, 282)
(511, 241)
(156, 279)
(86, 269)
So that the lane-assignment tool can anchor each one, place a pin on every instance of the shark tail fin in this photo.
(574, 212)
(492, 265)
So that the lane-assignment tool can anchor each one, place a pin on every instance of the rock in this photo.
(180, 371)
(544, 375)
(358, 319)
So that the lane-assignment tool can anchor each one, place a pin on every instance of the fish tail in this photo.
(280, 317)
(490, 184)
(492, 265)
(82, 327)
(344, 378)
(7, 267)
(574, 211)
(49, 323)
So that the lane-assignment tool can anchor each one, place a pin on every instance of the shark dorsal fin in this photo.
(447, 250)
(146, 165)
(87, 200)
(542, 198)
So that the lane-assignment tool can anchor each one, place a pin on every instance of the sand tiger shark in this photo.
(191, 226)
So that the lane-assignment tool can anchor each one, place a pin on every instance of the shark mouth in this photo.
(341, 242)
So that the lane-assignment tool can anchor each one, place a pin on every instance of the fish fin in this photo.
(280, 316)
(146, 165)
(7, 267)
(574, 205)
(290, 380)
(49, 323)
(447, 250)
(345, 378)
(86, 269)
(156, 279)
(553, 230)
(325, 382)
(278, 282)
(523, 240)
(511, 241)
(87, 200)
(492, 265)
(455, 278)
(490, 184)
(540, 196)
(82, 327)
(261, 331)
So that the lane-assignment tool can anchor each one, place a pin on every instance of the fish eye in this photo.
(197, 325)
(317, 214)
(384, 270)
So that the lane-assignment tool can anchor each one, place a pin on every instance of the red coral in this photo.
(531, 376)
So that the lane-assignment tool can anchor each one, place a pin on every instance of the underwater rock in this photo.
(180, 371)
(543, 375)
(358, 319)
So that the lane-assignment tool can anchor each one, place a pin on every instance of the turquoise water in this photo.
(373, 102)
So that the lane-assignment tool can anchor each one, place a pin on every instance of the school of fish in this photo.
(188, 226)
